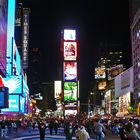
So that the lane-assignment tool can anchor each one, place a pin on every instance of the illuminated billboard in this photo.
(22, 104)
(69, 34)
(10, 34)
(70, 50)
(114, 71)
(3, 35)
(100, 73)
(70, 112)
(25, 38)
(13, 104)
(14, 83)
(57, 89)
(70, 91)
(16, 60)
(102, 85)
(70, 71)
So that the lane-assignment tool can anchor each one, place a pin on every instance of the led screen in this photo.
(22, 104)
(16, 60)
(114, 71)
(69, 34)
(71, 104)
(1, 99)
(70, 71)
(10, 34)
(70, 91)
(100, 73)
(70, 50)
(102, 85)
(70, 112)
(14, 83)
(25, 87)
(57, 89)
(3, 34)
(13, 104)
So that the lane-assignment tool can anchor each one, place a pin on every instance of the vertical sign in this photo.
(25, 40)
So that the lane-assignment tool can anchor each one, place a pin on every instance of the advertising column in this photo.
(70, 80)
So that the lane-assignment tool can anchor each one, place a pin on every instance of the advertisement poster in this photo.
(100, 73)
(69, 34)
(70, 50)
(3, 34)
(70, 91)
(70, 71)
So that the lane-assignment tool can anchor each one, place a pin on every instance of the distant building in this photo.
(135, 38)
(110, 64)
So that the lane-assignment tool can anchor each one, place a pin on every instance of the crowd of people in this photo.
(80, 126)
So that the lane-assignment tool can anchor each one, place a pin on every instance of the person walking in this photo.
(99, 130)
(42, 128)
(83, 134)
(68, 130)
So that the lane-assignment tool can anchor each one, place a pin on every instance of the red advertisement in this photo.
(70, 71)
(70, 50)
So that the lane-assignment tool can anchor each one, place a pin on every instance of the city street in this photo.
(34, 135)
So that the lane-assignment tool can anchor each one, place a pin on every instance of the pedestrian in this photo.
(99, 130)
(51, 126)
(42, 128)
(133, 135)
(122, 132)
(68, 130)
(56, 126)
(83, 134)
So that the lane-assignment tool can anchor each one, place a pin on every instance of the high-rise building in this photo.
(135, 38)
(110, 64)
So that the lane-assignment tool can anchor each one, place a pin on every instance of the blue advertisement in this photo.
(1, 99)
(22, 104)
(13, 104)
(10, 34)
(14, 83)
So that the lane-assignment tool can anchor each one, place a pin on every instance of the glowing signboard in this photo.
(70, 71)
(69, 34)
(70, 50)
(13, 104)
(70, 91)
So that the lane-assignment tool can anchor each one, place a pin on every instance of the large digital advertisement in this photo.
(14, 83)
(69, 34)
(13, 104)
(70, 91)
(70, 71)
(70, 50)
(10, 34)
(3, 35)
(100, 73)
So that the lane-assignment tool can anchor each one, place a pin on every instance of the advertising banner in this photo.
(70, 91)
(3, 35)
(69, 34)
(102, 85)
(14, 83)
(13, 104)
(100, 73)
(57, 88)
(70, 71)
(4, 91)
(114, 71)
(25, 38)
(70, 50)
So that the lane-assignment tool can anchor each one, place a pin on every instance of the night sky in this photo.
(94, 21)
